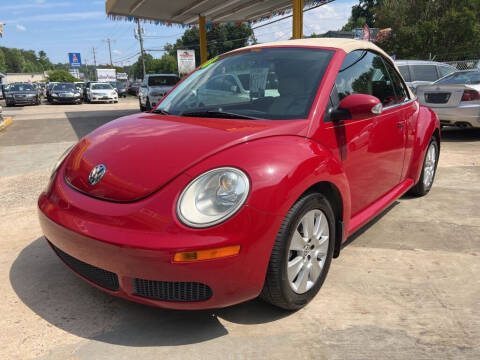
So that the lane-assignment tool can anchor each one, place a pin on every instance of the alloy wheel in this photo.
(308, 251)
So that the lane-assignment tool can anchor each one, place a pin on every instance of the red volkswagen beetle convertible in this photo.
(245, 180)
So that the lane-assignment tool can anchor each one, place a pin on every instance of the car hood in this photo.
(143, 152)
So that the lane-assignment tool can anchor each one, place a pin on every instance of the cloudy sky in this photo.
(60, 26)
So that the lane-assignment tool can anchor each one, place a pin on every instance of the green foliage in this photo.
(61, 75)
(3, 64)
(363, 13)
(423, 28)
(18, 60)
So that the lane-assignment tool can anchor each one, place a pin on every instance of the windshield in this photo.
(463, 77)
(101, 87)
(79, 85)
(275, 83)
(21, 87)
(64, 87)
(162, 80)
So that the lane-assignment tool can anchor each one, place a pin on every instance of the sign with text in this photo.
(74, 59)
(186, 61)
(106, 75)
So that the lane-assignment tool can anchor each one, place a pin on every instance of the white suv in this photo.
(153, 88)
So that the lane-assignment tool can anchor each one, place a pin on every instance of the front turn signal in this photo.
(199, 255)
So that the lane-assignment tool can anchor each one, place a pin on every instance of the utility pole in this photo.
(140, 38)
(94, 57)
(108, 41)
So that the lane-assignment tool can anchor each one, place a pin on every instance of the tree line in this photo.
(423, 29)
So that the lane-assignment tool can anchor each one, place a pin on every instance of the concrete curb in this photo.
(5, 122)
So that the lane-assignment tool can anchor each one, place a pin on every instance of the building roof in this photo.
(187, 11)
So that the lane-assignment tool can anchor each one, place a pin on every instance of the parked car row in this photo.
(62, 93)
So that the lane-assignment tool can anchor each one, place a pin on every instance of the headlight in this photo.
(60, 159)
(54, 94)
(213, 197)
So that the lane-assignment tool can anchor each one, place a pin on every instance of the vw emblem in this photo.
(97, 174)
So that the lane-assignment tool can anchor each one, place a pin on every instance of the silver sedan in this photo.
(455, 98)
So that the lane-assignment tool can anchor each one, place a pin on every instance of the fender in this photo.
(427, 124)
(281, 169)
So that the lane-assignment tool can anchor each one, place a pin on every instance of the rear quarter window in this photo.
(424, 72)
(405, 72)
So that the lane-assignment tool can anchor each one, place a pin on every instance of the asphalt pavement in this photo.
(406, 287)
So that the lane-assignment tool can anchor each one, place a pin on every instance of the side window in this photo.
(405, 72)
(364, 72)
(424, 72)
(400, 90)
(445, 70)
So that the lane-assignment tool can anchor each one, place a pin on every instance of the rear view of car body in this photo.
(455, 104)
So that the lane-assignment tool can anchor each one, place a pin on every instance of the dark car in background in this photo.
(133, 88)
(80, 85)
(119, 88)
(66, 93)
(48, 90)
(21, 94)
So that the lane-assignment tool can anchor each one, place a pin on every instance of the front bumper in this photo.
(66, 100)
(465, 113)
(137, 241)
(21, 101)
(100, 98)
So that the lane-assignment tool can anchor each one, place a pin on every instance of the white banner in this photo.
(122, 76)
(186, 61)
(106, 75)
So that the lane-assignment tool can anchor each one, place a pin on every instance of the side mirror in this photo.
(356, 107)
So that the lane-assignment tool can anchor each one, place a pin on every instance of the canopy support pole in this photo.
(297, 19)
(203, 38)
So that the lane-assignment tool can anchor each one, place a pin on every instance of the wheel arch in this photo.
(427, 125)
(334, 197)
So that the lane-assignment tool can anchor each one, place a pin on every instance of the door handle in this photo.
(400, 124)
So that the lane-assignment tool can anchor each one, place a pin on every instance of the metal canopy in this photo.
(188, 11)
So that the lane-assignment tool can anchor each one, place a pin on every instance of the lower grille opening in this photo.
(171, 291)
(99, 276)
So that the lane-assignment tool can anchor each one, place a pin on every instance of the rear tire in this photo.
(282, 287)
(429, 170)
(142, 108)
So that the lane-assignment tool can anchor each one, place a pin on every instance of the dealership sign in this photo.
(122, 76)
(106, 75)
(186, 61)
(74, 59)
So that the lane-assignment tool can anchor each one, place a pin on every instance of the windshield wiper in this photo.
(218, 114)
(161, 111)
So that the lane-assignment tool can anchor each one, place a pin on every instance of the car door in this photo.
(371, 149)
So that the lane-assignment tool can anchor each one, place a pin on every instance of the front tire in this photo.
(142, 108)
(148, 106)
(429, 169)
(301, 254)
